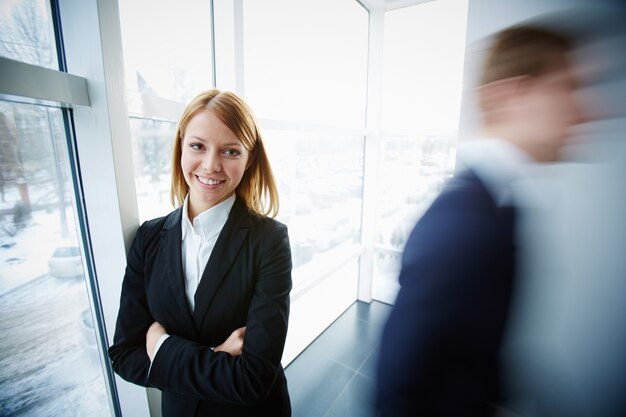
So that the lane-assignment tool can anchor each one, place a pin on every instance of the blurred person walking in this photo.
(440, 346)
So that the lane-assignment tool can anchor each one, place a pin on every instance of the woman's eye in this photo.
(232, 152)
(196, 146)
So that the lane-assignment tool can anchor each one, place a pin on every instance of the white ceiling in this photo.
(390, 4)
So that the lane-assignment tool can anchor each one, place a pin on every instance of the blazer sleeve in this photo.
(128, 352)
(188, 368)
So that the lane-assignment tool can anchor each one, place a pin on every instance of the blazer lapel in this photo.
(223, 255)
(171, 255)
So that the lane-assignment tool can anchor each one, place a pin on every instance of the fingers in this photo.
(154, 333)
(234, 344)
(156, 329)
(240, 332)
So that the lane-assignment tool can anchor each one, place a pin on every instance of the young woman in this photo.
(205, 299)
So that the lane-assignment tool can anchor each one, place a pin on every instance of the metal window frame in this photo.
(31, 84)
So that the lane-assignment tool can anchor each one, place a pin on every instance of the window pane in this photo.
(167, 47)
(421, 165)
(423, 67)
(49, 357)
(320, 181)
(152, 142)
(26, 32)
(306, 60)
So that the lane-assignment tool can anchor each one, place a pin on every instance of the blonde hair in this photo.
(257, 188)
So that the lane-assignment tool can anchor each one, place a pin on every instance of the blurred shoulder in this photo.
(463, 192)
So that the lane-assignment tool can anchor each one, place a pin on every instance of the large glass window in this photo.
(306, 66)
(306, 60)
(424, 49)
(424, 164)
(152, 142)
(167, 47)
(320, 181)
(50, 363)
(168, 56)
(26, 32)
(305, 77)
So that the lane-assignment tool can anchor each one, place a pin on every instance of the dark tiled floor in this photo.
(334, 376)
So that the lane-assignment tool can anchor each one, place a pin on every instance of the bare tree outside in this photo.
(27, 36)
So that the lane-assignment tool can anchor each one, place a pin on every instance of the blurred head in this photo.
(218, 151)
(528, 90)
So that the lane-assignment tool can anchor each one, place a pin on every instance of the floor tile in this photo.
(357, 400)
(335, 375)
(375, 312)
(315, 383)
(348, 341)
(368, 368)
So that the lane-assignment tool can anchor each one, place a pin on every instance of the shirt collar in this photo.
(497, 163)
(211, 221)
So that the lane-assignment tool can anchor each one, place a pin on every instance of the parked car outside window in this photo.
(66, 262)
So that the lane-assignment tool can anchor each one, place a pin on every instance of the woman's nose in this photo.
(211, 162)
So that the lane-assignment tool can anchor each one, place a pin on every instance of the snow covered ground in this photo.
(24, 256)
(49, 363)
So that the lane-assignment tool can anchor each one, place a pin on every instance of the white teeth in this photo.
(209, 181)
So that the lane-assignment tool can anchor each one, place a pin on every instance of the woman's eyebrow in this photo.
(239, 144)
(197, 137)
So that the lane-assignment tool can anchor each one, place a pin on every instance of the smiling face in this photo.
(213, 161)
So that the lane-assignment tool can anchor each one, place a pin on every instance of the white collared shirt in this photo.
(499, 165)
(198, 242)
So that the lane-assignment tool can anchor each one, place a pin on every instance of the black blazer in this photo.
(440, 344)
(246, 282)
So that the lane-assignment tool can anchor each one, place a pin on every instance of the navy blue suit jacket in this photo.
(246, 282)
(438, 355)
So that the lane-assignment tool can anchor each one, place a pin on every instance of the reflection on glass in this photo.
(320, 181)
(306, 61)
(26, 32)
(167, 47)
(152, 142)
(49, 360)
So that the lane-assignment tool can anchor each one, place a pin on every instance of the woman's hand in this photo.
(152, 337)
(234, 344)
